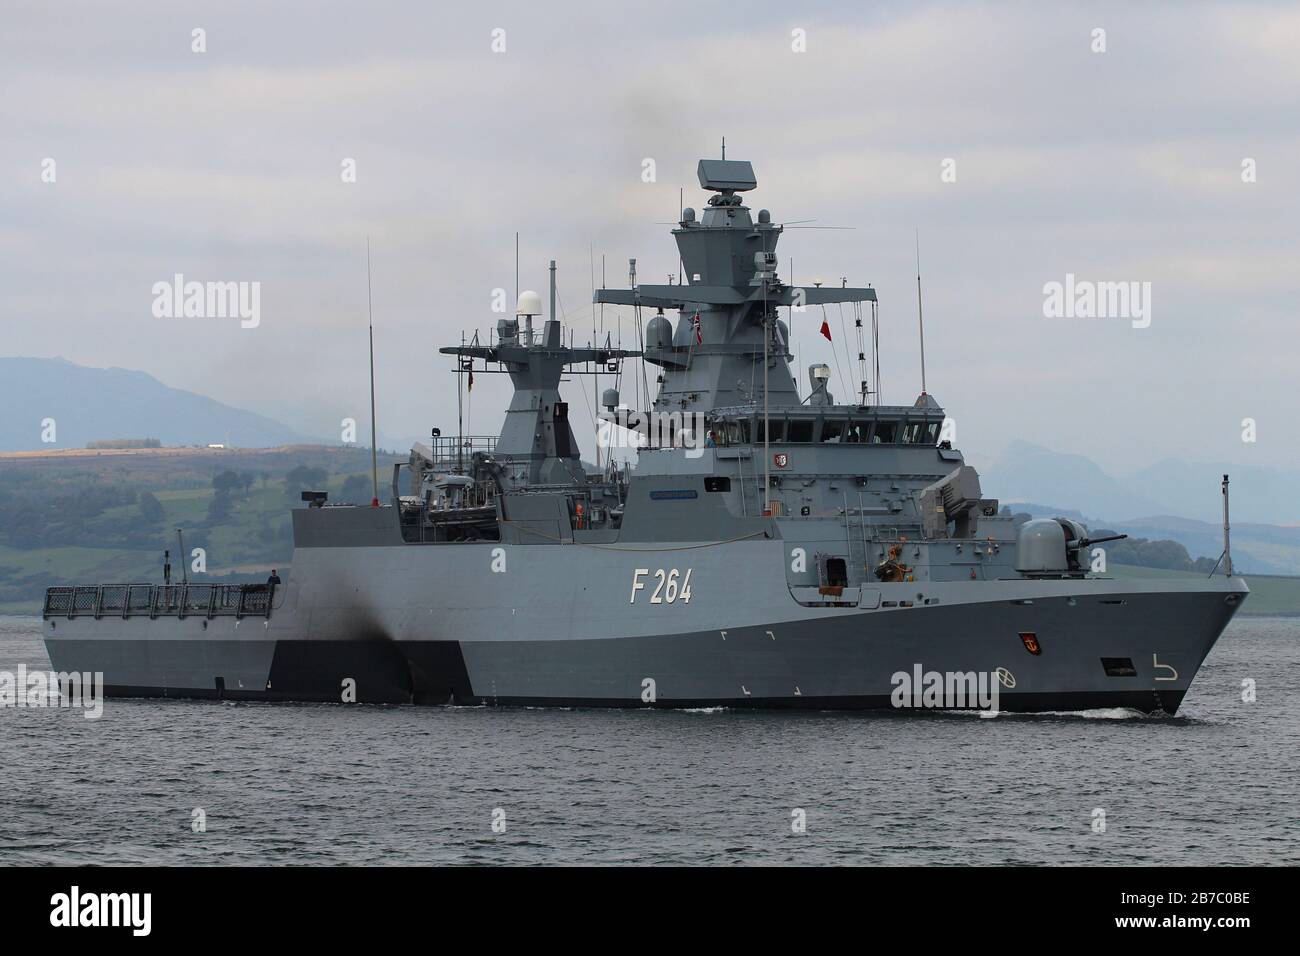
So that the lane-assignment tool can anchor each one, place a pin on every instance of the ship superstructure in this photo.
(766, 549)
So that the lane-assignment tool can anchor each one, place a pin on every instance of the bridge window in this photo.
(801, 431)
(832, 431)
(856, 432)
(921, 433)
(776, 431)
(737, 432)
(885, 433)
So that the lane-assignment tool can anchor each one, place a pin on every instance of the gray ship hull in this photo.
(562, 625)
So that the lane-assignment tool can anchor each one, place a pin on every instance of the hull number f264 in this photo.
(670, 586)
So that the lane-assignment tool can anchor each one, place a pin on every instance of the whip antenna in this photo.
(374, 447)
(920, 315)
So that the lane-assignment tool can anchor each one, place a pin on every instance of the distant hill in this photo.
(95, 404)
(1026, 472)
(1260, 494)
(1256, 548)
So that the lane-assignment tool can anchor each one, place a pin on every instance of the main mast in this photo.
(726, 305)
(537, 445)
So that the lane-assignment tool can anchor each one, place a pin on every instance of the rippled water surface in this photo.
(315, 783)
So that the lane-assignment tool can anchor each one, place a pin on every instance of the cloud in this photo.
(225, 165)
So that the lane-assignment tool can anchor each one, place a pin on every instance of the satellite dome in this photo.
(530, 303)
(659, 333)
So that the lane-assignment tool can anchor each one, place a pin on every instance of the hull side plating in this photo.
(516, 638)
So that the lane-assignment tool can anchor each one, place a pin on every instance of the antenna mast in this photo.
(1227, 546)
(920, 316)
(374, 440)
(554, 317)
(595, 375)
(767, 427)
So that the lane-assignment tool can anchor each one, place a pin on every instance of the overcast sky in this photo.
(1124, 165)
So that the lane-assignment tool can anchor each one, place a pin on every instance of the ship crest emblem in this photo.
(1030, 641)
(781, 460)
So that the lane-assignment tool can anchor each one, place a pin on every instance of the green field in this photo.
(242, 546)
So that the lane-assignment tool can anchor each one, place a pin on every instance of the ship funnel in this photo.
(530, 303)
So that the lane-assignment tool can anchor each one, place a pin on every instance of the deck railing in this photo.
(452, 452)
(159, 600)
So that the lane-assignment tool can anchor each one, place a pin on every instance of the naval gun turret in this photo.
(1056, 547)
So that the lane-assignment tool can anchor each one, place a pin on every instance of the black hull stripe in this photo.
(1149, 702)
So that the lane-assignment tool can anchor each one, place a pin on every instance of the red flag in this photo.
(699, 334)
(826, 330)
(469, 387)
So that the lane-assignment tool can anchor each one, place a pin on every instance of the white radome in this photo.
(530, 303)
